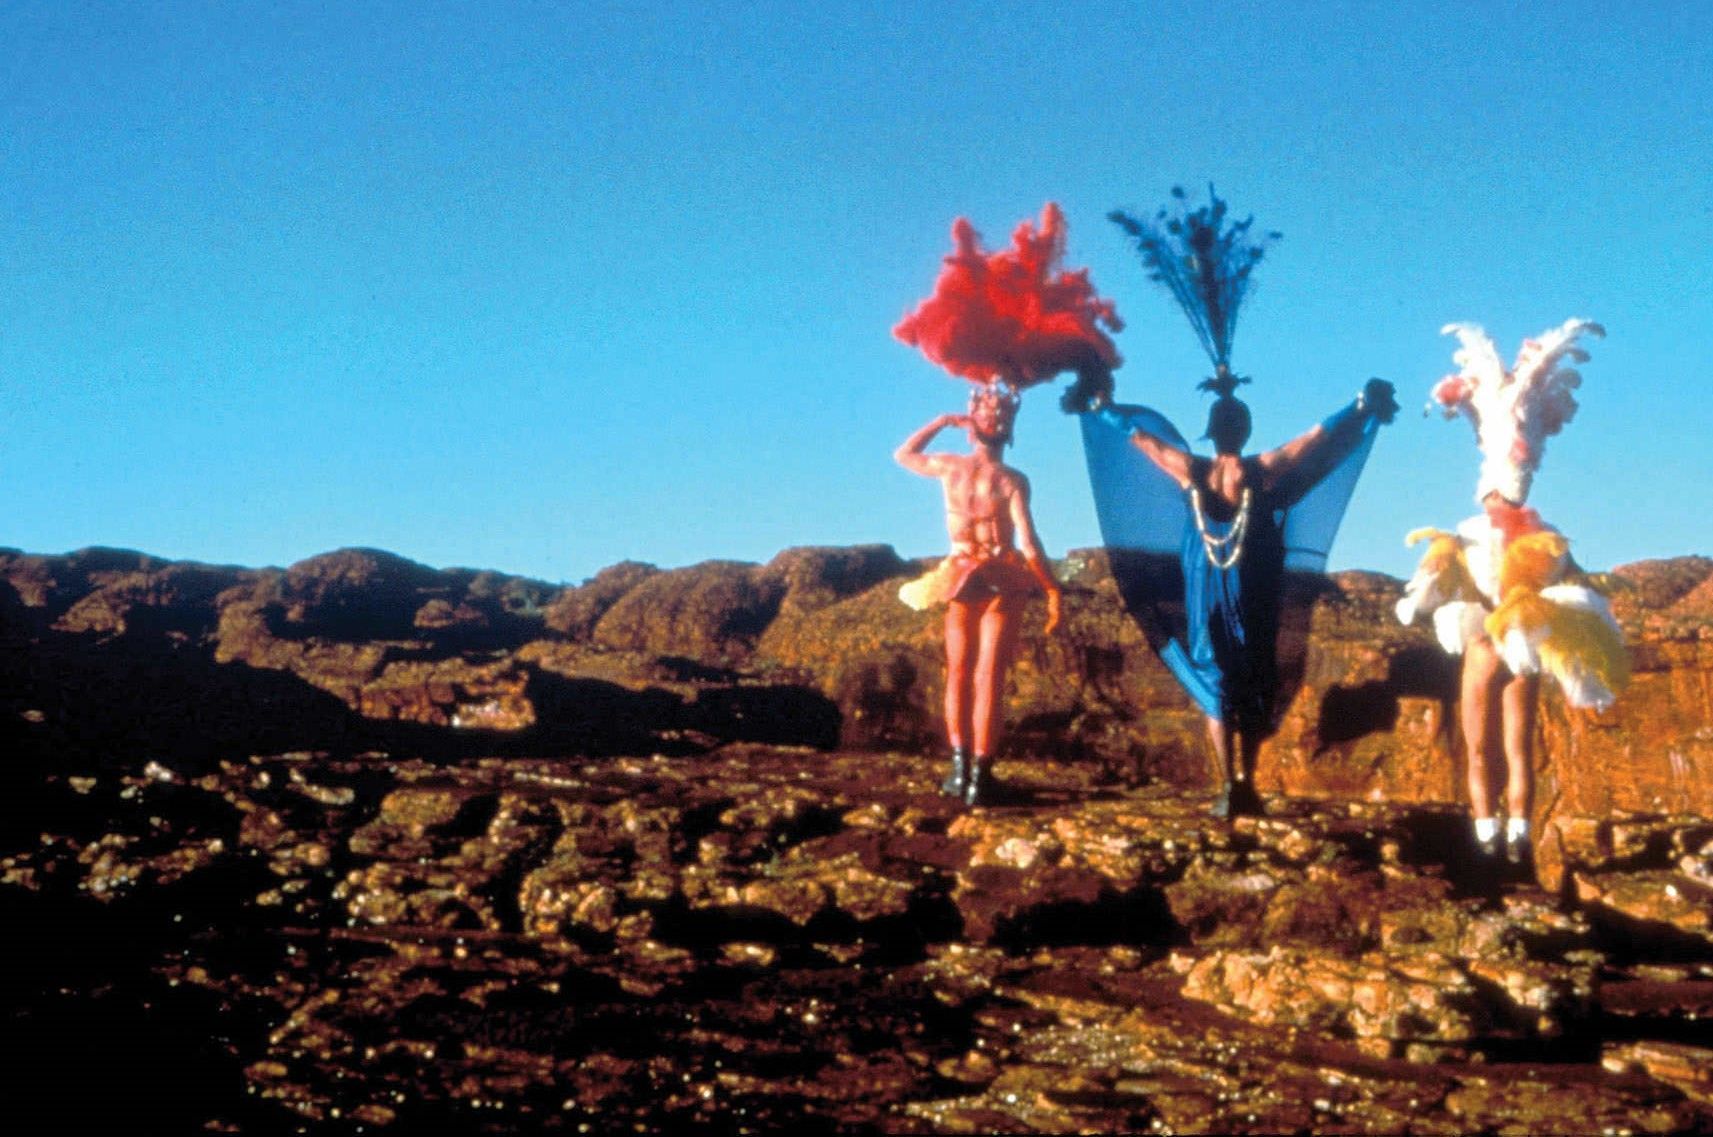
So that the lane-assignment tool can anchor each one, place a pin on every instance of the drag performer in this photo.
(1502, 589)
(985, 583)
(1211, 554)
(1232, 558)
(1003, 321)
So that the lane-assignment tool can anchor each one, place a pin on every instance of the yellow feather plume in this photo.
(1532, 561)
(1523, 609)
(931, 588)
(1443, 568)
(1580, 645)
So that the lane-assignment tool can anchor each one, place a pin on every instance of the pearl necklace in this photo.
(1222, 552)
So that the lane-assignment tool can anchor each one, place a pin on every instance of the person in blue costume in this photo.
(1230, 525)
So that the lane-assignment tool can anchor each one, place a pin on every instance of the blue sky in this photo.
(543, 287)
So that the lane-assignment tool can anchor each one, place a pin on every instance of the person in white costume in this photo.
(1502, 589)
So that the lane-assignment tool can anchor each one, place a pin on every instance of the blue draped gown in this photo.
(1218, 630)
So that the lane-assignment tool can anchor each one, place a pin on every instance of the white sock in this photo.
(1486, 828)
(1516, 829)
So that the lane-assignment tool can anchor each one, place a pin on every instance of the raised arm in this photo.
(1283, 461)
(1304, 460)
(1023, 524)
(1173, 462)
(911, 456)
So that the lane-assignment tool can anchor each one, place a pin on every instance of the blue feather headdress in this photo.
(1206, 264)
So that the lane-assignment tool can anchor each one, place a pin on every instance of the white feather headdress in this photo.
(1514, 412)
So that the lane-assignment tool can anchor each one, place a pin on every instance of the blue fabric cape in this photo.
(1150, 535)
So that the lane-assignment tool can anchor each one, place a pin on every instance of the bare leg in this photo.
(1234, 755)
(1000, 628)
(1480, 671)
(1519, 700)
(1219, 736)
(1249, 752)
(1000, 625)
(962, 623)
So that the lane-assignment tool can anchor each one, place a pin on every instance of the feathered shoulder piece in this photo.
(1206, 261)
(1442, 577)
(1514, 411)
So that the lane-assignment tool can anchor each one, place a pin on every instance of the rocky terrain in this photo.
(363, 846)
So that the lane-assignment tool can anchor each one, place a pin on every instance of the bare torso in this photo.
(987, 506)
(1222, 480)
(978, 496)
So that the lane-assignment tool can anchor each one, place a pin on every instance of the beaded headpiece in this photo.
(1005, 400)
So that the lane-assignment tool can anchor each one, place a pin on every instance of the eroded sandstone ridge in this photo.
(360, 845)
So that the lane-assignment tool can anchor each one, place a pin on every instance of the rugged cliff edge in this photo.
(359, 845)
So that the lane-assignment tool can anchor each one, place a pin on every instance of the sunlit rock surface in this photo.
(361, 846)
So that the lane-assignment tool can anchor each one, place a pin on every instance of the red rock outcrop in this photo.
(1373, 719)
(363, 844)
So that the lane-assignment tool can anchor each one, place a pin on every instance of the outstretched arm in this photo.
(1305, 459)
(1173, 462)
(1023, 522)
(1297, 455)
(911, 456)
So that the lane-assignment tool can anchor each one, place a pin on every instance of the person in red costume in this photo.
(1004, 320)
(986, 582)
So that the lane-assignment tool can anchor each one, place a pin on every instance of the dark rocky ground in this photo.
(767, 939)
(362, 847)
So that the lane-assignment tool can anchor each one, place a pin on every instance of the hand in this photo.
(1054, 598)
(1379, 399)
(1091, 391)
(961, 422)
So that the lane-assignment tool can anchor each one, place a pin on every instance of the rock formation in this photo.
(360, 845)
